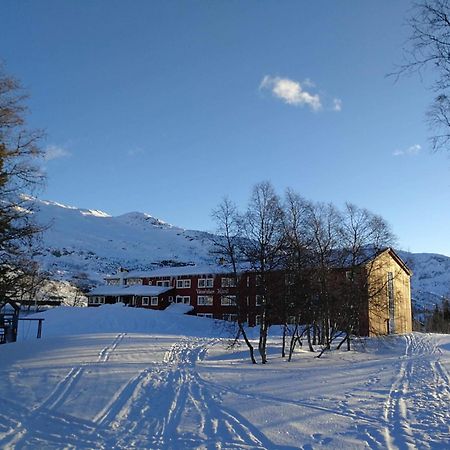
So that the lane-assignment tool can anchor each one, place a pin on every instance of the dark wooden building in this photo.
(384, 297)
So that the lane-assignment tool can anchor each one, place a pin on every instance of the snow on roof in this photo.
(138, 290)
(177, 271)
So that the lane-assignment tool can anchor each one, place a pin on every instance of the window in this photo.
(228, 300)
(145, 301)
(133, 281)
(183, 284)
(205, 282)
(259, 300)
(207, 315)
(258, 280)
(97, 300)
(113, 282)
(170, 299)
(258, 320)
(183, 299)
(229, 317)
(163, 283)
(228, 282)
(154, 301)
(204, 300)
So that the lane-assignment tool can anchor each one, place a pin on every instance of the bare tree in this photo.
(298, 308)
(227, 246)
(263, 247)
(429, 48)
(323, 222)
(19, 177)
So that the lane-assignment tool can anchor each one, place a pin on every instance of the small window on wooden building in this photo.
(228, 300)
(205, 300)
(183, 284)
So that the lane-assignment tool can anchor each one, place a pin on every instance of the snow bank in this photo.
(64, 321)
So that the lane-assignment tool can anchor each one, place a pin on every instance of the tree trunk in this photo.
(262, 347)
(283, 348)
(249, 345)
(308, 334)
(292, 343)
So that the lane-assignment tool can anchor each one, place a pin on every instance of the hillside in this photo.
(94, 243)
(88, 244)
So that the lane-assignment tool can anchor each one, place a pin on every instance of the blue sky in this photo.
(166, 106)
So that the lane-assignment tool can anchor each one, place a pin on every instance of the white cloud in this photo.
(291, 92)
(410, 151)
(55, 152)
(337, 104)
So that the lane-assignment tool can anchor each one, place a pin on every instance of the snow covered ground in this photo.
(160, 380)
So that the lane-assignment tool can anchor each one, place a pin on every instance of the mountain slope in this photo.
(91, 241)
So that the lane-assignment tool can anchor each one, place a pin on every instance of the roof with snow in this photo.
(122, 291)
(175, 271)
(345, 258)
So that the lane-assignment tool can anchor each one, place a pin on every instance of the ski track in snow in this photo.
(46, 414)
(171, 408)
(168, 405)
(417, 409)
(105, 353)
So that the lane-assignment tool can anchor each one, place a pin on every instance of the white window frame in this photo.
(207, 315)
(205, 300)
(259, 300)
(154, 301)
(183, 283)
(163, 283)
(291, 320)
(134, 281)
(228, 282)
(228, 300)
(205, 283)
(185, 299)
(98, 300)
(145, 301)
(229, 317)
(258, 319)
(349, 275)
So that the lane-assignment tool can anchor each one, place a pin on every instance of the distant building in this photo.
(384, 297)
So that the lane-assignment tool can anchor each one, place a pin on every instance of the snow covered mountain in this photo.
(431, 277)
(88, 244)
(93, 243)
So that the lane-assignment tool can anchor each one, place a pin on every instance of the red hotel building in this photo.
(208, 289)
